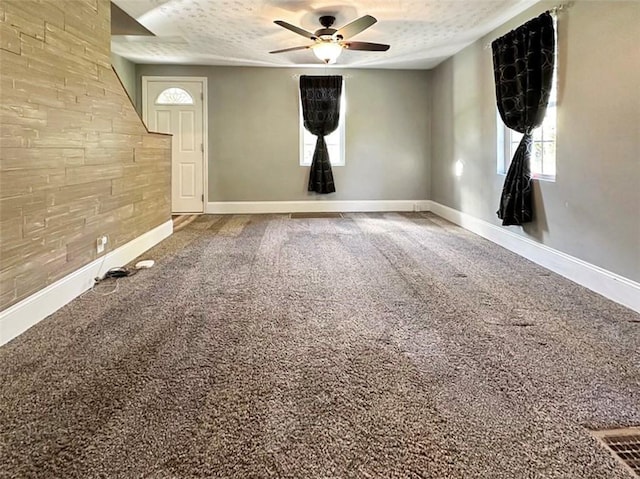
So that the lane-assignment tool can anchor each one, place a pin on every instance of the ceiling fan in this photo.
(329, 42)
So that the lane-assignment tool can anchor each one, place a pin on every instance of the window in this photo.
(335, 141)
(543, 149)
(174, 96)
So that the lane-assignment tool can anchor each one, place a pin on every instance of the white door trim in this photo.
(205, 120)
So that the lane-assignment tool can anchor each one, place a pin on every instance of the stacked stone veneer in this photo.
(76, 162)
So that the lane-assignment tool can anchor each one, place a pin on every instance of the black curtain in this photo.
(320, 96)
(523, 62)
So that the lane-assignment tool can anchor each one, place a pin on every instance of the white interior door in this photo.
(176, 107)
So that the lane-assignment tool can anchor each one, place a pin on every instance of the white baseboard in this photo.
(28, 312)
(21, 316)
(610, 285)
(314, 206)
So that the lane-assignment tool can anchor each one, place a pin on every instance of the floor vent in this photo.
(300, 216)
(625, 444)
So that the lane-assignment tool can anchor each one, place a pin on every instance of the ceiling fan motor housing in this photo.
(326, 21)
(325, 32)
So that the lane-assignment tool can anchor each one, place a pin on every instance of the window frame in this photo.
(340, 131)
(507, 145)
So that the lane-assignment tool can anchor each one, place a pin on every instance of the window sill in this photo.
(332, 166)
(549, 178)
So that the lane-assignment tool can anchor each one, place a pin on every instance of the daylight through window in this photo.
(174, 96)
(543, 149)
(335, 141)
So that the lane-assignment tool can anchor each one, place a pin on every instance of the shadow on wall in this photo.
(469, 166)
(538, 227)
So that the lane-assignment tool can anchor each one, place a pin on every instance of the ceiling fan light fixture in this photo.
(329, 42)
(328, 52)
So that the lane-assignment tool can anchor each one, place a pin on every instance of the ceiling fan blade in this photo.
(295, 29)
(290, 49)
(356, 27)
(365, 46)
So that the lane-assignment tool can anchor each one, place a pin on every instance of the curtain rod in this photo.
(553, 11)
(561, 8)
(296, 76)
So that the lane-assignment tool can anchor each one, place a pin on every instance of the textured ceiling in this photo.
(242, 32)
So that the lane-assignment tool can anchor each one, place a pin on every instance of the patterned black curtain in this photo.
(523, 63)
(320, 97)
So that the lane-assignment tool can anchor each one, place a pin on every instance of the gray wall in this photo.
(126, 71)
(253, 133)
(592, 210)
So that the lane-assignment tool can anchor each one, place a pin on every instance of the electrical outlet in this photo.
(101, 242)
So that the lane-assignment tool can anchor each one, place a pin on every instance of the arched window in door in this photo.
(174, 96)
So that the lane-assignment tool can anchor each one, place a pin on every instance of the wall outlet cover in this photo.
(100, 242)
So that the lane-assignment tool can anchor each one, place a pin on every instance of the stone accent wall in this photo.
(76, 162)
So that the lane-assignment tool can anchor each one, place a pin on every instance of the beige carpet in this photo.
(368, 346)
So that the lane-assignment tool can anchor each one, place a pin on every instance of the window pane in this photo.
(174, 96)
(515, 141)
(334, 153)
(333, 146)
(537, 134)
(549, 155)
(536, 158)
(515, 136)
(542, 161)
(333, 138)
(549, 123)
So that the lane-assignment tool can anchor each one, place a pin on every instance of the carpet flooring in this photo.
(368, 346)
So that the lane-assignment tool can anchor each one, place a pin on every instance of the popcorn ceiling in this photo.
(242, 32)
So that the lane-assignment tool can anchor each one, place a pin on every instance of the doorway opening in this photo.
(178, 106)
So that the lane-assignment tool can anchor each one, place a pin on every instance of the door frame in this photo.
(205, 122)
